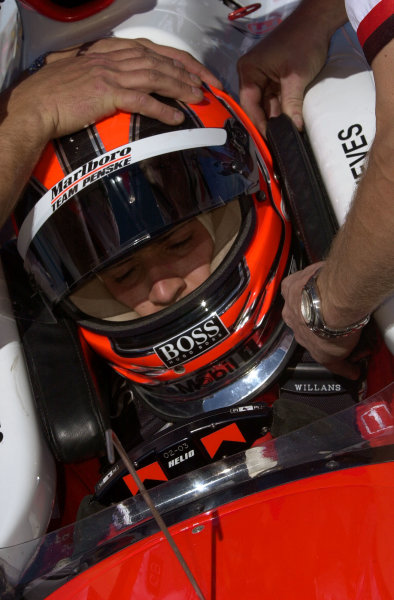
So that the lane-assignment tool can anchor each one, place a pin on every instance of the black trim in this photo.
(313, 219)
(379, 39)
(132, 346)
(69, 383)
(70, 148)
(147, 126)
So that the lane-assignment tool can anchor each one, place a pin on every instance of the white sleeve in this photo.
(357, 10)
(373, 20)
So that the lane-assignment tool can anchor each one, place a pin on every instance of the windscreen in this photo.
(35, 568)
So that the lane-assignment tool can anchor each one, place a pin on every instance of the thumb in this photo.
(252, 82)
(251, 102)
(292, 91)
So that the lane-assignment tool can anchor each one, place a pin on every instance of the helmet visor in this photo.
(163, 271)
(120, 216)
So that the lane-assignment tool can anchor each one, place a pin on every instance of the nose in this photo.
(165, 291)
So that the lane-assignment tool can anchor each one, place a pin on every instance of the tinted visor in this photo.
(163, 271)
(81, 228)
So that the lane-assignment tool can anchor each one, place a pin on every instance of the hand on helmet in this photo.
(334, 354)
(70, 93)
(182, 60)
(150, 68)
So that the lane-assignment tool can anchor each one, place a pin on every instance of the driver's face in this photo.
(164, 271)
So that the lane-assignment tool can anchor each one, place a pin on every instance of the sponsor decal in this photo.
(68, 187)
(88, 174)
(247, 408)
(179, 459)
(173, 451)
(107, 163)
(261, 28)
(218, 372)
(155, 572)
(192, 342)
(107, 477)
(317, 388)
(204, 380)
(355, 147)
(258, 28)
(375, 420)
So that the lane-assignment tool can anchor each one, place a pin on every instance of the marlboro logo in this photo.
(88, 174)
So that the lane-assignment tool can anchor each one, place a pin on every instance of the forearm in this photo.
(22, 139)
(310, 26)
(72, 91)
(325, 16)
(359, 272)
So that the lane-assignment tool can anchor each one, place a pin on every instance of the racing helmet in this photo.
(118, 212)
(67, 10)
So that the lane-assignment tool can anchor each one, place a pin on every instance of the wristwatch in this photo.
(311, 312)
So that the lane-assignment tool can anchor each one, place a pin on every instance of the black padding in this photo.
(310, 209)
(69, 383)
(68, 400)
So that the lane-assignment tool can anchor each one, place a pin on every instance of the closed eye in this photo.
(130, 271)
(181, 243)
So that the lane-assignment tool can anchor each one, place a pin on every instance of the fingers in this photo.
(88, 89)
(181, 58)
(272, 100)
(252, 84)
(94, 86)
(155, 74)
(139, 57)
(118, 74)
(262, 98)
(187, 60)
(292, 285)
(131, 87)
(292, 93)
(331, 353)
(281, 65)
(145, 104)
(250, 100)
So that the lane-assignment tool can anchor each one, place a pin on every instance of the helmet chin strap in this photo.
(113, 440)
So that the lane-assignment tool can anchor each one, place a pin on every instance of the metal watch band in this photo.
(315, 322)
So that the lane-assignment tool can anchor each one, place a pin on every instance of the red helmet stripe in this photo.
(48, 170)
(111, 136)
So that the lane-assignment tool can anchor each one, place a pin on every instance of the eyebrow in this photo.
(160, 239)
(165, 236)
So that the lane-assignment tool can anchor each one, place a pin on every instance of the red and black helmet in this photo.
(67, 10)
(103, 201)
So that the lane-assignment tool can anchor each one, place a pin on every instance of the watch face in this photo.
(306, 307)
